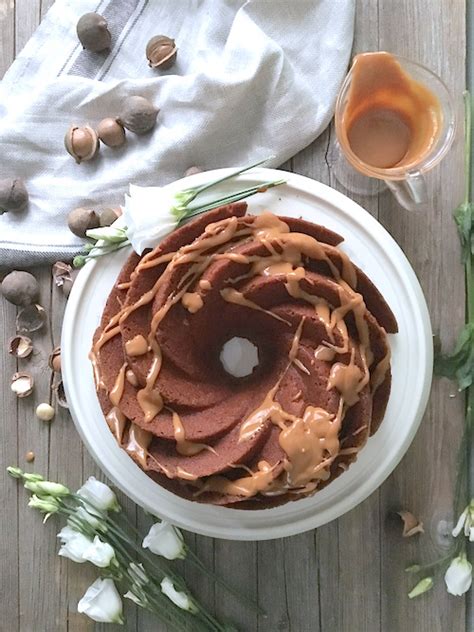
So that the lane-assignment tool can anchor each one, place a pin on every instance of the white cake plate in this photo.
(371, 247)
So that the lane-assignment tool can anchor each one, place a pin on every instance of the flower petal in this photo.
(460, 523)
(102, 602)
(99, 553)
(165, 540)
(458, 577)
(179, 598)
(99, 494)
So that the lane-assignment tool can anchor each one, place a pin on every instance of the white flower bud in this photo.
(99, 494)
(149, 216)
(458, 577)
(74, 544)
(179, 598)
(102, 602)
(99, 553)
(47, 505)
(47, 488)
(165, 540)
(422, 586)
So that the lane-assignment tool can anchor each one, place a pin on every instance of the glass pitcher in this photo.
(404, 178)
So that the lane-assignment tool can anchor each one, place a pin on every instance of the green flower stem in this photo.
(204, 187)
(196, 561)
(461, 495)
(124, 558)
(232, 197)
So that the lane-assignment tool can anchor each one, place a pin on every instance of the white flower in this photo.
(99, 553)
(74, 544)
(165, 540)
(458, 577)
(99, 494)
(181, 599)
(149, 214)
(466, 522)
(86, 515)
(102, 602)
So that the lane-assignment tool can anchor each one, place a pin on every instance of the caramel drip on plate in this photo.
(117, 422)
(116, 393)
(137, 346)
(138, 442)
(184, 447)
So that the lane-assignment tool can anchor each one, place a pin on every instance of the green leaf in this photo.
(460, 364)
(463, 217)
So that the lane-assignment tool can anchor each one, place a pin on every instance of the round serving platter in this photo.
(371, 247)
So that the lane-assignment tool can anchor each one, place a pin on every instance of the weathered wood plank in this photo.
(9, 604)
(27, 18)
(424, 480)
(35, 543)
(7, 39)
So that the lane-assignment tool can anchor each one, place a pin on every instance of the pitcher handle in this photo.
(411, 193)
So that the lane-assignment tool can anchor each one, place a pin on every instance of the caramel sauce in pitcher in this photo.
(390, 119)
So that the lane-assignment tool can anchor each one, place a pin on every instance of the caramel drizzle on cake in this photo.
(310, 441)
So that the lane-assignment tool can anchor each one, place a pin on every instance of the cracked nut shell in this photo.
(64, 276)
(82, 143)
(20, 288)
(13, 195)
(20, 346)
(54, 360)
(93, 33)
(30, 318)
(111, 133)
(138, 115)
(81, 219)
(22, 384)
(161, 52)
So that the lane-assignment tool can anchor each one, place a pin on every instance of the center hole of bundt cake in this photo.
(239, 357)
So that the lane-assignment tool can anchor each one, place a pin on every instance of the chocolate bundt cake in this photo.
(323, 377)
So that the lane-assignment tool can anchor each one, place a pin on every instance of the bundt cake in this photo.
(323, 377)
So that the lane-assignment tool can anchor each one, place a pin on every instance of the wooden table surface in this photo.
(347, 575)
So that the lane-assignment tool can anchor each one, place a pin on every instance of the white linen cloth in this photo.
(253, 79)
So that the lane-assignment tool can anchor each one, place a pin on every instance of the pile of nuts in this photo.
(138, 116)
(94, 35)
(22, 290)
